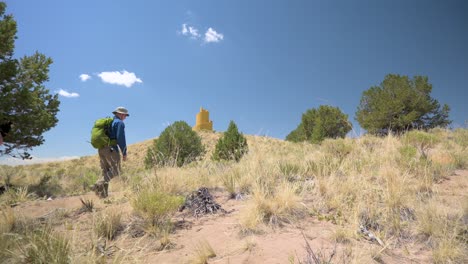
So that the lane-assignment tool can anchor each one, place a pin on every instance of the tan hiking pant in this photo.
(110, 163)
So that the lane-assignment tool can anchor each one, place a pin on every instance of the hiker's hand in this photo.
(124, 158)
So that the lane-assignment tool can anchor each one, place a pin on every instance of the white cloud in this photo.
(84, 77)
(190, 31)
(212, 36)
(35, 160)
(67, 94)
(124, 78)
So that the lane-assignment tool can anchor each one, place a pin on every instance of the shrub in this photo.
(156, 206)
(231, 146)
(88, 178)
(318, 124)
(177, 145)
(423, 141)
(46, 187)
(407, 156)
(297, 135)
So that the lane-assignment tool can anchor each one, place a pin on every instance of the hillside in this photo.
(363, 200)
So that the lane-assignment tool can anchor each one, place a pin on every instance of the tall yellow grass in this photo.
(384, 184)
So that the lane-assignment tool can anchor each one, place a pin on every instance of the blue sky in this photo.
(259, 63)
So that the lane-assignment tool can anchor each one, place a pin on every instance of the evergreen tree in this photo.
(400, 104)
(177, 145)
(321, 123)
(232, 145)
(26, 105)
(297, 135)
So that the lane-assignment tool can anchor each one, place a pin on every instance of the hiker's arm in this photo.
(120, 134)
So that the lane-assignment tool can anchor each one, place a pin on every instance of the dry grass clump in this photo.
(272, 207)
(202, 253)
(342, 235)
(14, 196)
(446, 234)
(450, 250)
(24, 241)
(44, 246)
(107, 224)
(8, 221)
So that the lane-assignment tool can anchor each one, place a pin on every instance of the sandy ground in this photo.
(279, 245)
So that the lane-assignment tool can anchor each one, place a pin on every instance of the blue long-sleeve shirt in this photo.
(118, 132)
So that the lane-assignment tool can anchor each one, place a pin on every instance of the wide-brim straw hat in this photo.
(121, 110)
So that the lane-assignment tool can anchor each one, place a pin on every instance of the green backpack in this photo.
(100, 133)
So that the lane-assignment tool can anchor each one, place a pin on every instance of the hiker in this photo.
(110, 155)
(4, 130)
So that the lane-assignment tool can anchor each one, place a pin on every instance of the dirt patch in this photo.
(222, 232)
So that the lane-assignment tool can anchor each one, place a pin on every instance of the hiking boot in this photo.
(100, 189)
(102, 194)
(94, 188)
(105, 189)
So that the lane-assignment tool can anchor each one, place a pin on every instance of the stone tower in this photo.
(203, 121)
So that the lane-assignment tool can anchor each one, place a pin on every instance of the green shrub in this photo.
(87, 179)
(156, 206)
(407, 155)
(46, 187)
(231, 146)
(318, 124)
(297, 135)
(421, 140)
(407, 152)
(177, 145)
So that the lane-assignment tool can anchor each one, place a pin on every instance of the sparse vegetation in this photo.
(383, 184)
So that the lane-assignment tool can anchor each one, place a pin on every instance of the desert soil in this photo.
(284, 244)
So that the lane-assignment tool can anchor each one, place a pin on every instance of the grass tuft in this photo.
(44, 246)
(202, 252)
(108, 224)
